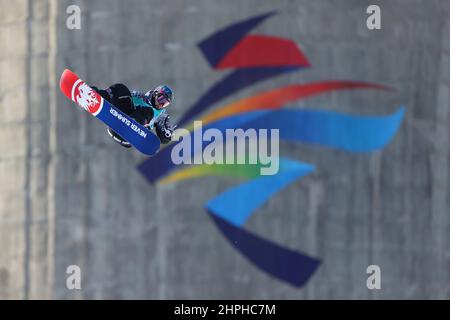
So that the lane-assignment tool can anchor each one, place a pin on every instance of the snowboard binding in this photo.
(117, 138)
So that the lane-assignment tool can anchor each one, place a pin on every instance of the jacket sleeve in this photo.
(137, 93)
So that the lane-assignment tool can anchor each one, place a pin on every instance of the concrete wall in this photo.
(70, 195)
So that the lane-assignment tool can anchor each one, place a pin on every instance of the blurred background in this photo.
(69, 195)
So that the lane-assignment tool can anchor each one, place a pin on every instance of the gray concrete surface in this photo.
(60, 174)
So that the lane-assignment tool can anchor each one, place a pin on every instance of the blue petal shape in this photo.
(237, 204)
(333, 129)
(293, 267)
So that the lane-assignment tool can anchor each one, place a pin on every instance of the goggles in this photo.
(161, 99)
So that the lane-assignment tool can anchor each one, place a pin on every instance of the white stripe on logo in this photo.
(73, 89)
(99, 108)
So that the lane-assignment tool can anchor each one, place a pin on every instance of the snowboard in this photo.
(87, 98)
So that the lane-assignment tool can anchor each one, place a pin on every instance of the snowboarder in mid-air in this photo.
(148, 109)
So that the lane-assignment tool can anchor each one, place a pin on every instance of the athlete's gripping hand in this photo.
(164, 130)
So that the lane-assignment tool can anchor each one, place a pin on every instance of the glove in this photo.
(164, 129)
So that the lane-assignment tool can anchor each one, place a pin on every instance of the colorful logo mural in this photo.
(254, 58)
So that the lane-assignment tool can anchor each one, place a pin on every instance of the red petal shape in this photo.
(267, 51)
